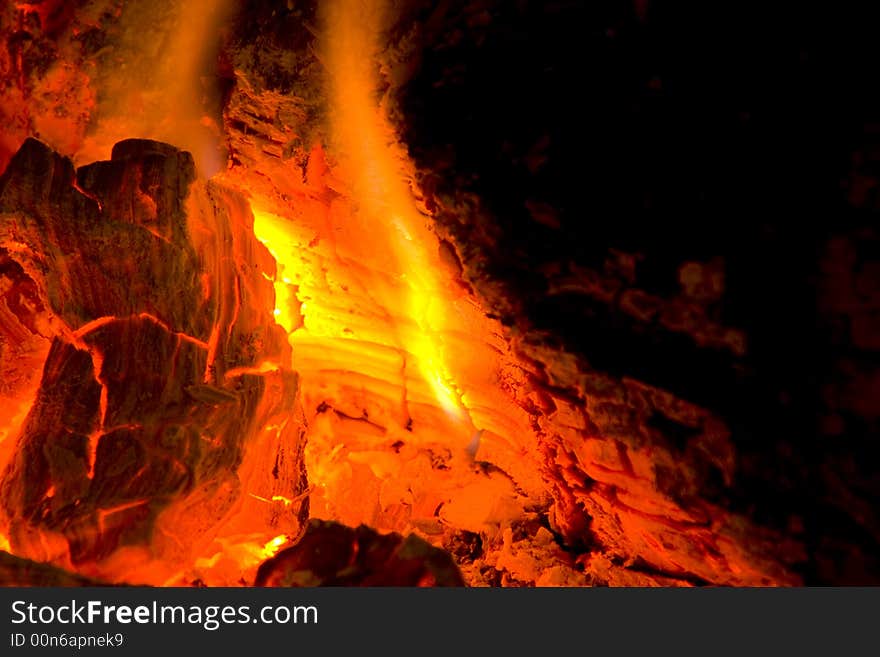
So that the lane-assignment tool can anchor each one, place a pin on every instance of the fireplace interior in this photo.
(397, 292)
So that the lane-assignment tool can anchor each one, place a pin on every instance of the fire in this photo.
(401, 367)
(400, 387)
(372, 387)
(375, 163)
(237, 556)
(382, 222)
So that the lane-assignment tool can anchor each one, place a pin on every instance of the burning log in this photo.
(166, 407)
(610, 483)
(625, 205)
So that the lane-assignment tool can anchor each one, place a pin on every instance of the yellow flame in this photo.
(239, 553)
(377, 166)
(270, 549)
(375, 230)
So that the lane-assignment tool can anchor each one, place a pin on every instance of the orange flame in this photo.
(155, 90)
(384, 225)
(407, 377)
(377, 168)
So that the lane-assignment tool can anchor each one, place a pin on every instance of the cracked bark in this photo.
(154, 389)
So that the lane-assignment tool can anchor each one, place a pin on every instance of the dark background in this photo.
(608, 145)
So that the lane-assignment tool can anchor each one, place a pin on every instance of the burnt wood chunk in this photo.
(152, 391)
(331, 554)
